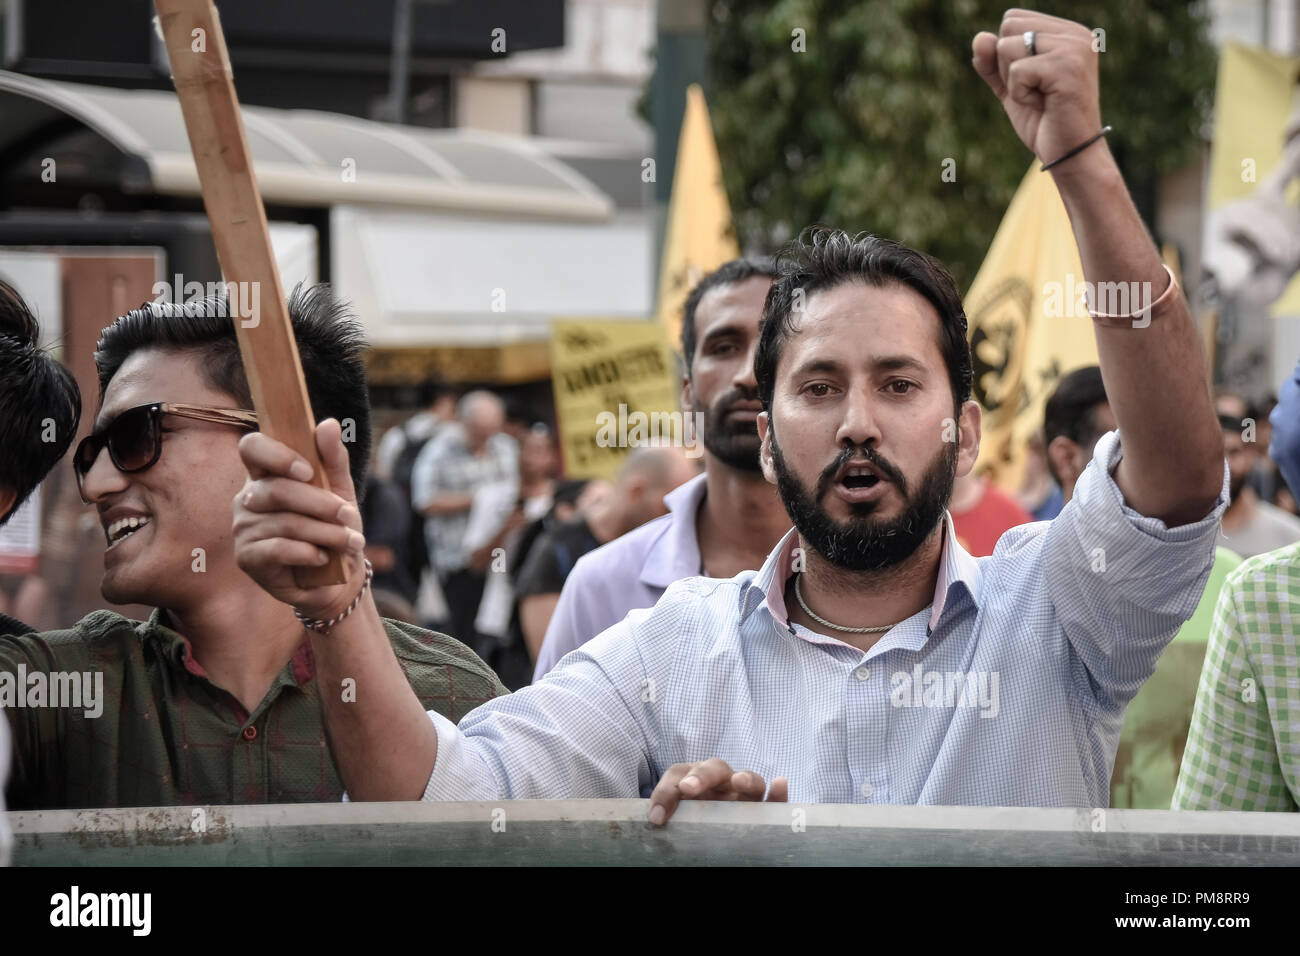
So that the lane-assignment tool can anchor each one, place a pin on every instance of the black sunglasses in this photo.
(134, 438)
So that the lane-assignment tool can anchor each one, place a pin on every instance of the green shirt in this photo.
(1243, 752)
(168, 735)
(1158, 718)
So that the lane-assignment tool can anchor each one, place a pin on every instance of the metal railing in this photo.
(586, 832)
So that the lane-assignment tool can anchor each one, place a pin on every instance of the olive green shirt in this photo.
(117, 713)
(1159, 717)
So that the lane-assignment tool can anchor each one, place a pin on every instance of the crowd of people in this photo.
(833, 609)
(471, 529)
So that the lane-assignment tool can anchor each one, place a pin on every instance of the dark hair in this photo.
(35, 392)
(1071, 410)
(568, 491)
(729, 273)
(330, 344)
(430, 392)
(823, 258)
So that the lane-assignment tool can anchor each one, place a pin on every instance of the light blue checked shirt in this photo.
(1009, 690)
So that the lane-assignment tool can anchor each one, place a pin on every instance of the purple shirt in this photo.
(628, 573)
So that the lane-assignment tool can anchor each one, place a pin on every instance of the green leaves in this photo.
(854, 131)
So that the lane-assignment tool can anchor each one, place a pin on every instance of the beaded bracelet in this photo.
(324, 627)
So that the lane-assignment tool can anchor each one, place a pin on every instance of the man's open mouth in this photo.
(860, 476)
(123, 528)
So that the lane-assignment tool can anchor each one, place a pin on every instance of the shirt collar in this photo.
(675, 552)
(956, 569)
(175, 647)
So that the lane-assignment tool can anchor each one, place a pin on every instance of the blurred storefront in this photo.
(456, 247)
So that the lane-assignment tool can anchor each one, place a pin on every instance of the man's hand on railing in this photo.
(710, 780)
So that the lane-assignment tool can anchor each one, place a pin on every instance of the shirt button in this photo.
(864, 674)
(250, 733)
(868, 790)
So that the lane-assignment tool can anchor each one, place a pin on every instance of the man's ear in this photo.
(8, 498)
(633, 489)
(968, 437)
(1063, 455)
(765, 447)
(688, 396)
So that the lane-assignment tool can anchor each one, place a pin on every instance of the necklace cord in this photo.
(798, 593)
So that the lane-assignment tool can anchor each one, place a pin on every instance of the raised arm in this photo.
(1152, 364)
(383, 744)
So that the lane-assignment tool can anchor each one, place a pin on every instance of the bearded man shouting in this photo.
(870, 659)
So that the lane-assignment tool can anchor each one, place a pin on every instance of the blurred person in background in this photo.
(528, 500)
(720, 523)
(981, 512)
(1284, 499)
(404, 441)
(1159, 717)
(572, 497)
(520, 419)
(214, 699)
(395, 459)
(1241, 752)
(40, 409)
(539, 466)
(1039, 493)
(386, 520)
(1250, 526)
(464, 457)
(646, 476)
(1075, 417)
(1264, 477)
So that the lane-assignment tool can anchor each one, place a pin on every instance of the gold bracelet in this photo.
(1119, 321)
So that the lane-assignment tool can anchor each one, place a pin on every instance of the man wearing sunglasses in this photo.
(215, 698)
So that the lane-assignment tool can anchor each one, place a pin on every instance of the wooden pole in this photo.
(196, 49)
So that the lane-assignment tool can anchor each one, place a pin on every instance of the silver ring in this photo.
(1029, 42)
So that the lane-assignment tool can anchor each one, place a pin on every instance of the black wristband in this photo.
(1078, 149)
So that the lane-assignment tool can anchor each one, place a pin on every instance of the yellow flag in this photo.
(1028, 323)
(616, 387)
(1255, 97)
(699, 236)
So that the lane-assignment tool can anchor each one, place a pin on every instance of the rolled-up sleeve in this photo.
(586, 732)
(1122, 583)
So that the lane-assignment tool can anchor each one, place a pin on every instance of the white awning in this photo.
(421, 278)
(304, 157)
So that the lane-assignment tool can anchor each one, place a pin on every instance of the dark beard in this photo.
(862, 544)
(735, 444)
